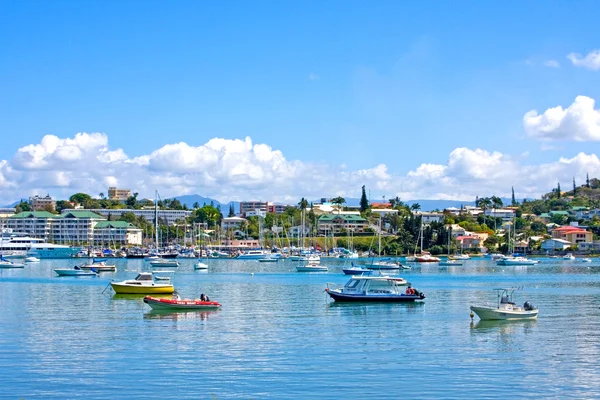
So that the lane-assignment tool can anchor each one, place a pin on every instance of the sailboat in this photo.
(160, 262)
(202, 265)
(385, 263)
(449, 261)
(425, 256)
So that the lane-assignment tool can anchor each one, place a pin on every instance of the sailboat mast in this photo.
(156, 219)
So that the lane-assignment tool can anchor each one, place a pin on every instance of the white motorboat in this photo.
(586, 260)
(254, 255)
(427, 258)
(506, 309)
(32, 260)
(311, 267)
(9, 264)
(99, 266)
(163, 263)
(374, 288)
(449, 263)
(311, 258)
(568, 256)
(385, 263)
(201, 265)
(460, 257)
(516, 261)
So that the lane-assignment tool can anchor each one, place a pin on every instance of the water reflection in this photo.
(179, 314)
(504, 326)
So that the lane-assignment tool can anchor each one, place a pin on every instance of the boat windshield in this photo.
(143, 277)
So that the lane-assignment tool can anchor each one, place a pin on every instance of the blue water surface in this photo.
(279, 336)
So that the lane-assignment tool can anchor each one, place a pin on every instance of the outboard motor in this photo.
(528, 306)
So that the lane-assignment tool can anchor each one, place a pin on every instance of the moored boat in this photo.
(449, 263)
(10, 264)
(362, 288)
(200, 265)
(506, 309)
(32, 260)
(99, 266)
(162, 263)
(356, 270)
(516, 261)
(76, 271)
(180, 304)
(142, 284)
(311, 267)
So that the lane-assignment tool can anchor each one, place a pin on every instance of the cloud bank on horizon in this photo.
(242, 170)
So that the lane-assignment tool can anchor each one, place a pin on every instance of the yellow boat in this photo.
(142, 284)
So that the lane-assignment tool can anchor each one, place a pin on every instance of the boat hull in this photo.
(73, 272)
(490, 314)
(11, 265)
(104, 268)
(311, 269)
(121, 288)
(172, 304)
(356, 271)
(383, 298)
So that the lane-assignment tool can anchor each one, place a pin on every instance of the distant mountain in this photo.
(190, 199)
(13, 205)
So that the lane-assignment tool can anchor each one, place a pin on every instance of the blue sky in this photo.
(328, 84)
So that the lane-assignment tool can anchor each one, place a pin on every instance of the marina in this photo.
(278, 324)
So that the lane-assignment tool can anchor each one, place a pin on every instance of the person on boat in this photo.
(176, 296)
(202, 297)
(410, 290)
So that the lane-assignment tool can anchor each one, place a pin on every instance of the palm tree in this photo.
(101, 195)
(302, 204)
(415, 207)
(340, 201)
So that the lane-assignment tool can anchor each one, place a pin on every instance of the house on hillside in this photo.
(573, 234)
(555, 244)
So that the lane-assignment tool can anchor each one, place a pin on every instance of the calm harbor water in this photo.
(278, 336)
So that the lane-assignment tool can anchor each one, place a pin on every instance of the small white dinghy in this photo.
(201, 266)
(506, 309)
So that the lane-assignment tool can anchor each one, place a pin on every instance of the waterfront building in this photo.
(38, 203)
(119, 232)
(74, 227)
(170, 217)
(36, 224)
(337, 223)
(118, 194)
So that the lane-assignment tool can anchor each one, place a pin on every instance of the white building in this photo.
(117, 232)
(232, 222)
(506, 214)
(429, 217)
(169, 216)
(555, 244)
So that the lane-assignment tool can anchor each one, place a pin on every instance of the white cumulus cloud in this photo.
(580, 122)
(240, 169)
(590, 61)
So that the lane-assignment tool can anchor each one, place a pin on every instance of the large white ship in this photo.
(28, 246)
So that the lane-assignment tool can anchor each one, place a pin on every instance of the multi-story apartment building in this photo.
(336, 223)
(169, 216)
(38, 203)
(118, 194)
(250, 208)
(74, 227)
(109, 232)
